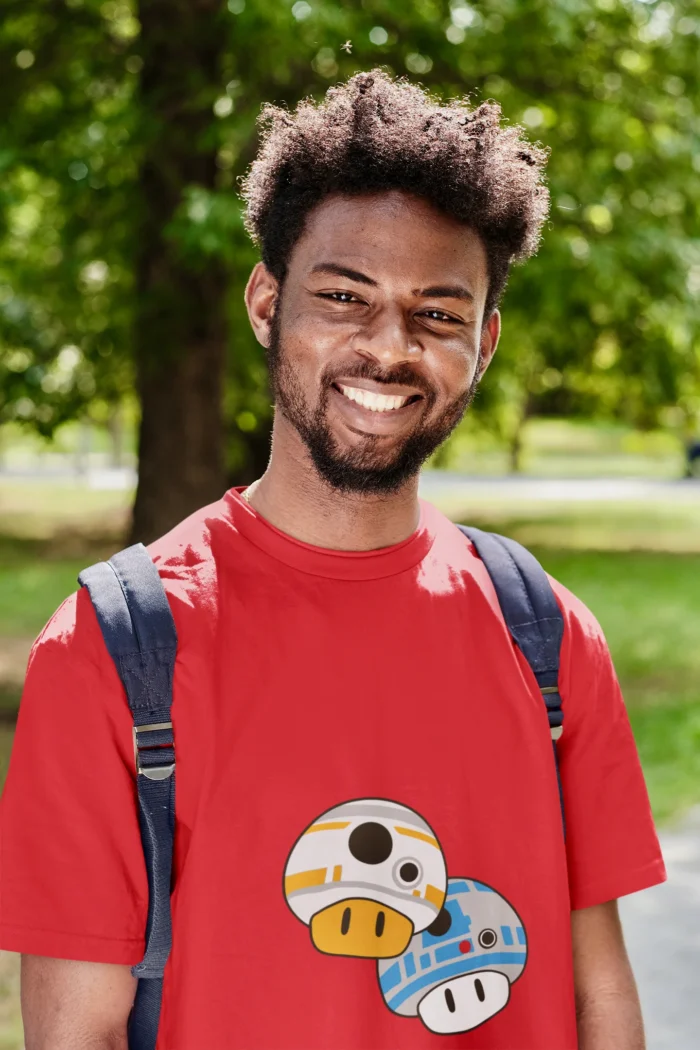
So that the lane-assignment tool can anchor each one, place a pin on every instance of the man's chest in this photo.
(370, 847)
(274, 737)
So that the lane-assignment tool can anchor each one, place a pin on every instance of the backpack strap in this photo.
(139, 632)
(532, 616)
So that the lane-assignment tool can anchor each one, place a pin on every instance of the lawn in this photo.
(49, 532)
(30, 589)
(649, 608)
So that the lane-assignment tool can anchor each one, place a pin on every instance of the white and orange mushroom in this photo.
(365, 877)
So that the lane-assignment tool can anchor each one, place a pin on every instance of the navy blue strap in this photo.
(139, 632)
(532, 616)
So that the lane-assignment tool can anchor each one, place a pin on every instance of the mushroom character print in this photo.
(458, 973)
(365, 877)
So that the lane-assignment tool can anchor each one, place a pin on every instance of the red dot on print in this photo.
(465, 947)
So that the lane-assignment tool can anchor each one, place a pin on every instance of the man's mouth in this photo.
(374, 401)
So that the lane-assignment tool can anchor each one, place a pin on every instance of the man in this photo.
(365, 784)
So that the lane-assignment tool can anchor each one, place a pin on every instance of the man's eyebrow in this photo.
(343, 271)
(436, 291)
(446, 291)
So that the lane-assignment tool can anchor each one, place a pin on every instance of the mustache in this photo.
(402, 374)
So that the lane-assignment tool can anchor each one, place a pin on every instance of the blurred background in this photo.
(132, 391)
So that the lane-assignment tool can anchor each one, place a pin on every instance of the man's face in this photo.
(376, 341)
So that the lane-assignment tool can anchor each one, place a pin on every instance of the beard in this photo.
(370, 468)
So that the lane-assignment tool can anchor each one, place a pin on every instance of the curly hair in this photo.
(374, 134)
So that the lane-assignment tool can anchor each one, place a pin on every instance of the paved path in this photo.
(434, 483)
(662, 929)
(576, 490)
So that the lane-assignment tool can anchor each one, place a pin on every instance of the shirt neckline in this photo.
(320, 561)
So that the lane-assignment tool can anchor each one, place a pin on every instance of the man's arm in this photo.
(70, 1005)
(607, 1005)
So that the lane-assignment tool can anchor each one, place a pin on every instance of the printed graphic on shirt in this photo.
(365, 877)
(458, 973)
(368, 878)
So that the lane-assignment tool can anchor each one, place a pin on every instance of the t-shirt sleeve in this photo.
(72, 875)
(612, 846)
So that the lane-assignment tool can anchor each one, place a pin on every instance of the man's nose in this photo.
(387, 339)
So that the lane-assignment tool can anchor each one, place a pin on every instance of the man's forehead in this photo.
(392, 232)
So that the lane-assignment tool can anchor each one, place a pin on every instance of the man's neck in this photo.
(293, 497)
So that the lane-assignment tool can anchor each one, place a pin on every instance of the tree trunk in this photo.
(515, 450)
(180, 330)
(115, 429)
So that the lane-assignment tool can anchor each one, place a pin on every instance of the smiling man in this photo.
(368, 844)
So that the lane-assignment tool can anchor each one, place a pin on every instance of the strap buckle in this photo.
(548, 690)
(151, 772)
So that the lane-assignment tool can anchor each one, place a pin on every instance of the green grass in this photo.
(10, 1020)
(5, 748)
(649, 608)
(31, 590)
(568, 448)
(605, 525)
(49, 532)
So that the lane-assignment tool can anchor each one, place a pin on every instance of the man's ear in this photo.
(490, 334)
(261, 295)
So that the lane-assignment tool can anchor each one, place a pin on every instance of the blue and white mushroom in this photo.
(458, 973)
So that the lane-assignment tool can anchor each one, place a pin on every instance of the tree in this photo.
(123, 258)
(65, 276)
(179, 330)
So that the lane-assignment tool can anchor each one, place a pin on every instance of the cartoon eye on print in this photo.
(488, 938)
(407, 872)
(364, 877)
(450, 976)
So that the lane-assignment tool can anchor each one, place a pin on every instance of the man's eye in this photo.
(438, 315)
(339, 297)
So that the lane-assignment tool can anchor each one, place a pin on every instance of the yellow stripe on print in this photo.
(412, 833)
(337, 873)
(434, 895)
(303, 879)
(331, 825)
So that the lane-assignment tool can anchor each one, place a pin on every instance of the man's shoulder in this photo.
(582, 628)
(186, 556)
(186, 562)
(189, 542)
(454, 547)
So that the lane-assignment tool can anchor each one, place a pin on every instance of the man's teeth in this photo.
(374, 402)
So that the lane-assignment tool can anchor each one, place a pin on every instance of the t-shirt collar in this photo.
(320, 561)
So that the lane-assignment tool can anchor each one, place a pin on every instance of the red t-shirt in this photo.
(369, 847)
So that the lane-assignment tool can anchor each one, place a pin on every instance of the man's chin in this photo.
(364, 483)
(365, 471)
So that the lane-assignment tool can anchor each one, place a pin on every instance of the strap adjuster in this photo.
(154, 772)
(553, 709)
